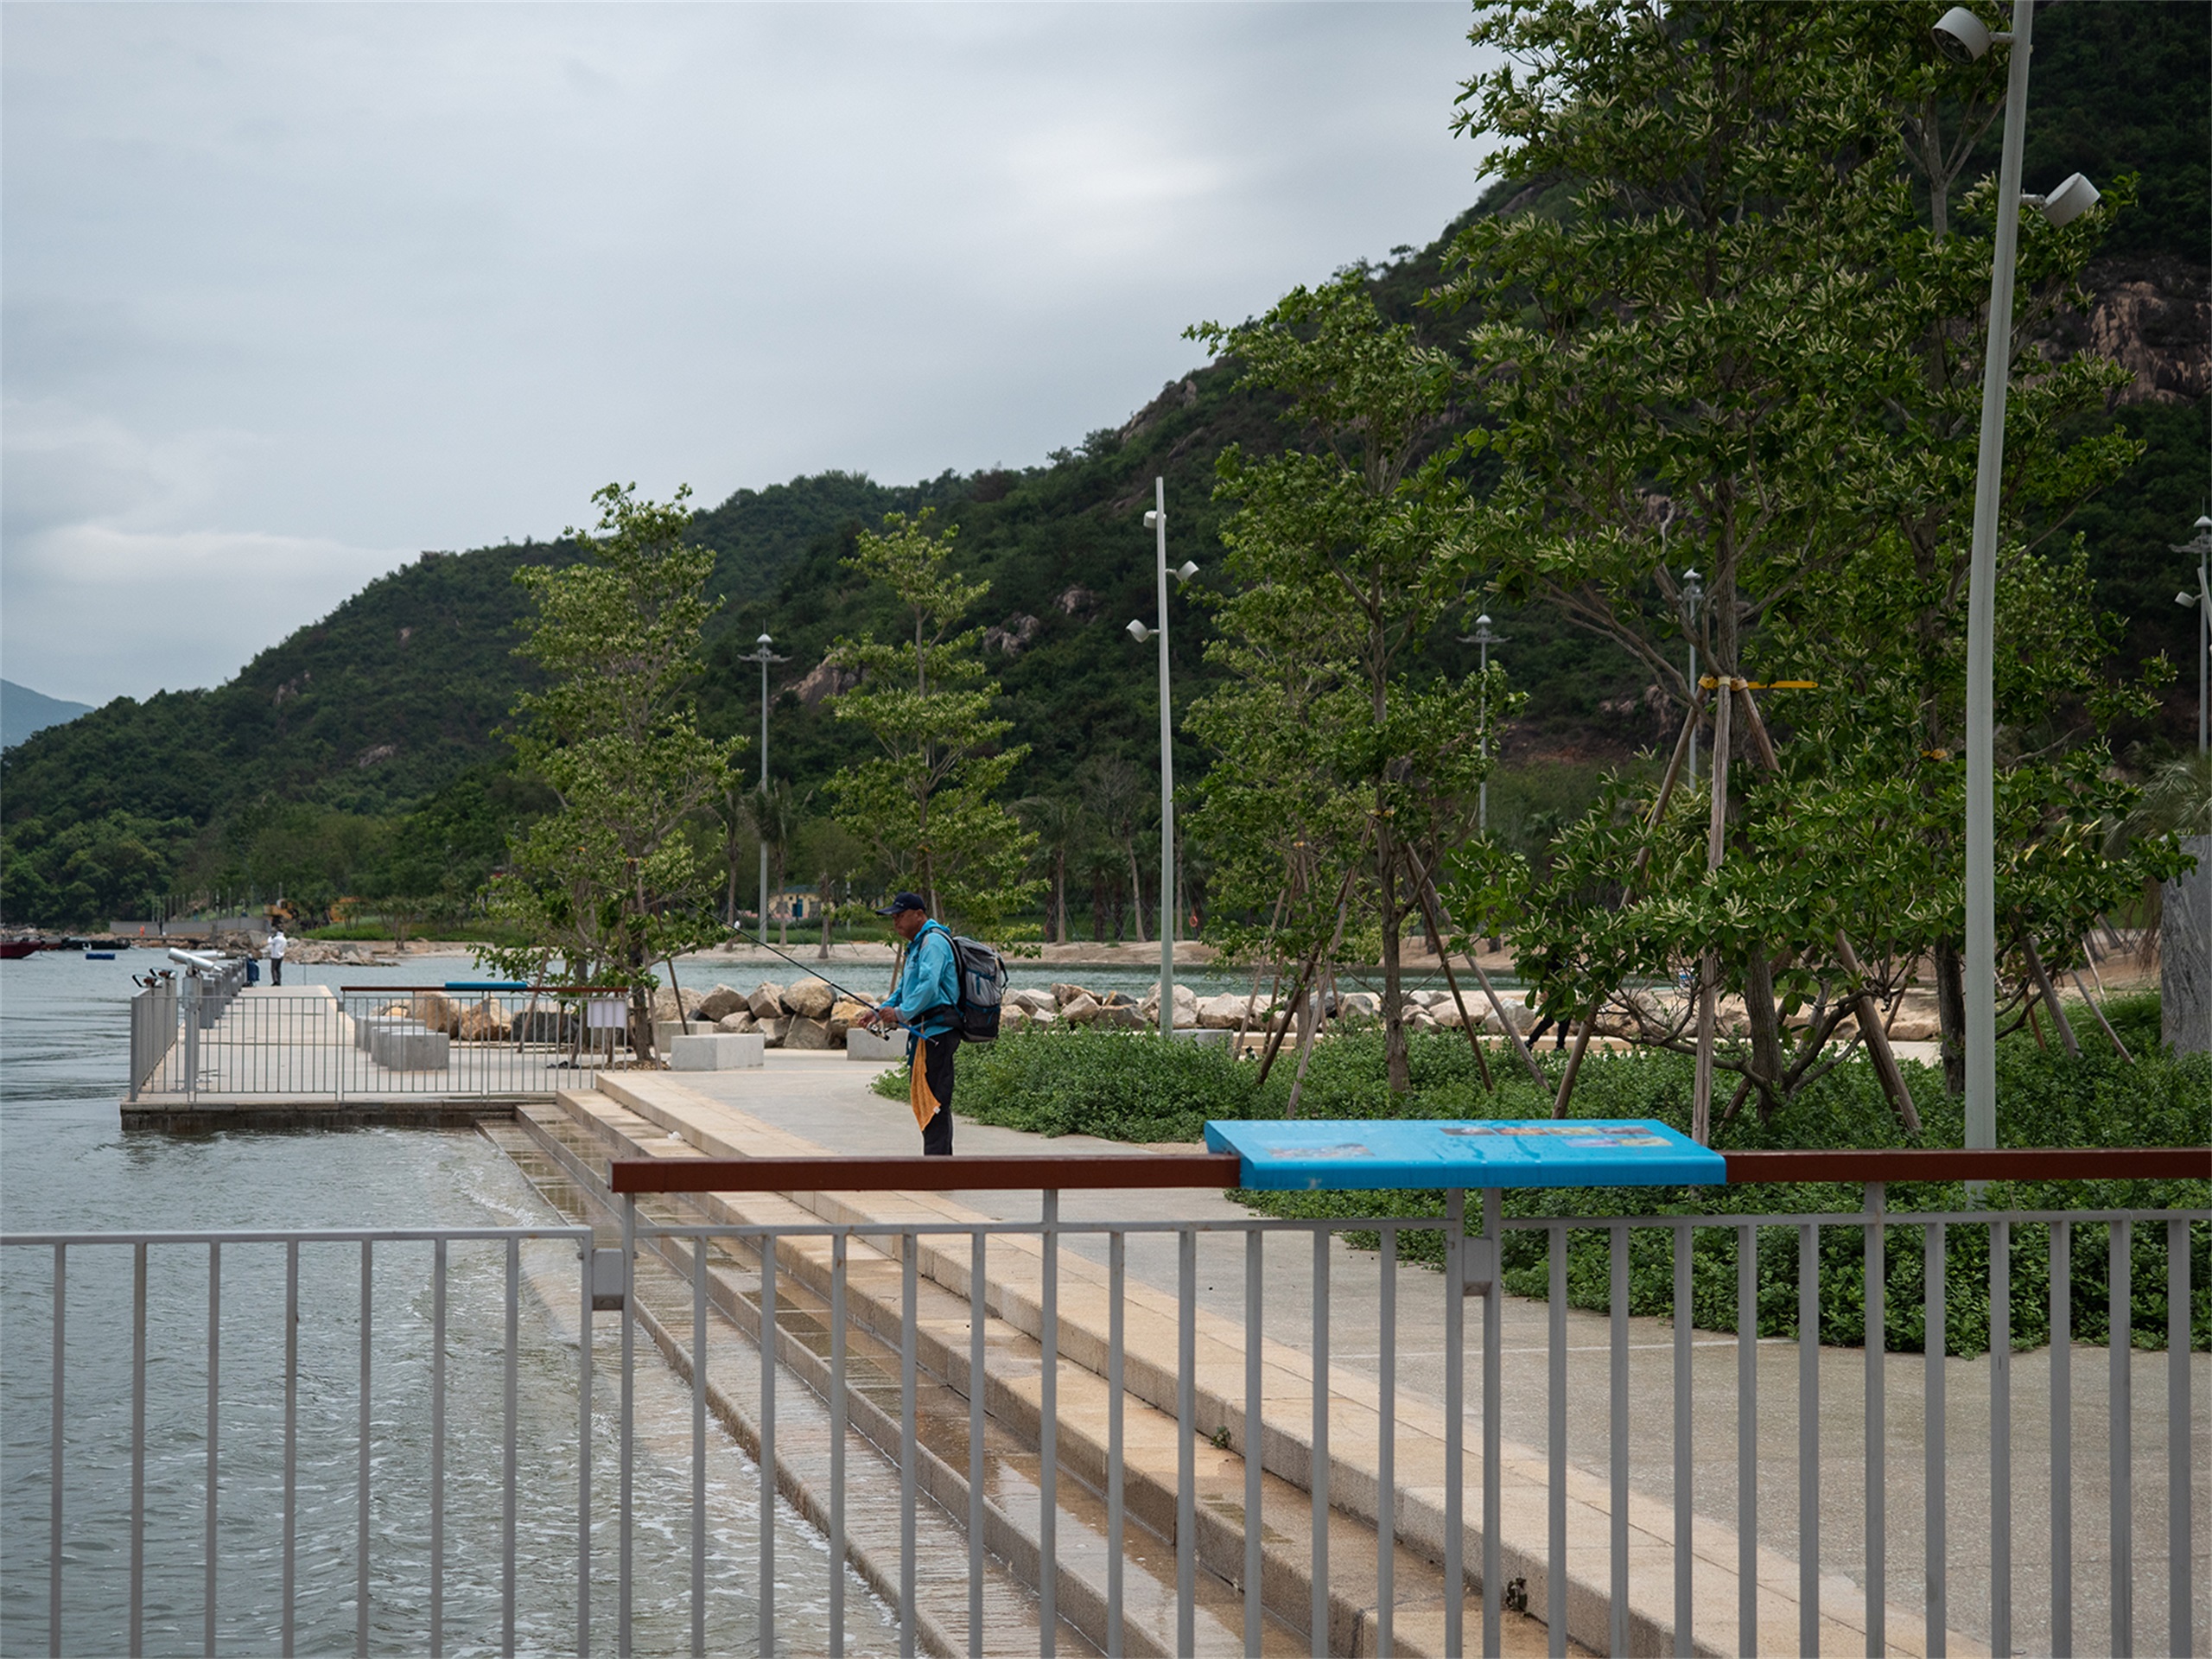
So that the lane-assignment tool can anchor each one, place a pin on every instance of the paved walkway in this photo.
(825, 1100)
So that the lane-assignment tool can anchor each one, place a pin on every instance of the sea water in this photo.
(66, 1165)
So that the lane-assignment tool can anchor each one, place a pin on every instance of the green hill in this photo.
(301, 770)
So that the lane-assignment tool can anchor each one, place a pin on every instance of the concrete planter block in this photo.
(716, 1051)
(868, 1045)
(1206, 1035)
(367, 1026)
(665, 1031)
(411, 1051)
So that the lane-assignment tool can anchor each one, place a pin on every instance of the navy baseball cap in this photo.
(904, 901)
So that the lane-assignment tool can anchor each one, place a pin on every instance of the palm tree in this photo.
(1115, 796)
(1062, 827)
(777, 812)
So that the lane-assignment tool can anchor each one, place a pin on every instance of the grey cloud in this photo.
(381, 277)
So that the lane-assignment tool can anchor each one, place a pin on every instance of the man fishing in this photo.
(927, 1003)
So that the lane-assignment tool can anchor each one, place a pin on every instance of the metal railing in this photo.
(368, 1042)
(809, 1340)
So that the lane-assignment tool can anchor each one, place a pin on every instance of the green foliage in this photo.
(927, 804)
(1125, 1086)
(609, 882)
(1343, 772)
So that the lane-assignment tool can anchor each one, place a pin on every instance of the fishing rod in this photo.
(855, 995)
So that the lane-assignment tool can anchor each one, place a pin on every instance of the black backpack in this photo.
(980, 972)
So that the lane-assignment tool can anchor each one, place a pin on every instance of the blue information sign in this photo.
(1300, 1156)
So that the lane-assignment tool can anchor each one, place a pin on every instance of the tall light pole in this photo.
(1483, 638)
(1156, 522)
(1962, 37)
(1693, 596)
(2201, 546)
(761, 654)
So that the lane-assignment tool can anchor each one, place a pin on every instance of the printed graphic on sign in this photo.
(1416, 1153)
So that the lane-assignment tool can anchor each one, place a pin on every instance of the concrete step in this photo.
(1013, 1390)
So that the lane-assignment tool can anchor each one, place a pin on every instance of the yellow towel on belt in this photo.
(925, 1105)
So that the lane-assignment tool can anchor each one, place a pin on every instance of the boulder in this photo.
(1448, 1017)
(1359, 1005)
(844, 1014)
(1908, 1028)
(1121, 1016)
(721, 1002)
(811, 998)
(767, 1001)
(1012, 1017)
(672, 1004)
(803, 1033)
(739, 1022)
(1079, 1010)
(434, 1011)
(1035, 1000)
(486, 1022)
(544, 1022)
(772, 1029)
(1064, 995)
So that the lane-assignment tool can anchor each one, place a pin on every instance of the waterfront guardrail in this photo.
(196, 1037)
(348, 1418)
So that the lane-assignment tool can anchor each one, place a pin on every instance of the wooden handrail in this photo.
(1956, 1164)
(1224, 1169)
(917, 1174)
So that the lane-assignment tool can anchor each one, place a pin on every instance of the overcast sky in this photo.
(292, 292)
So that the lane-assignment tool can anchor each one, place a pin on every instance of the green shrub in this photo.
(1127, 1086)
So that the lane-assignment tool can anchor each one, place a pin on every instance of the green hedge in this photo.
(1127, 1086)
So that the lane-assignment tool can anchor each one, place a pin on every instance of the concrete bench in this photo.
(665, 1031)
(414, 1050)
(717, 1051)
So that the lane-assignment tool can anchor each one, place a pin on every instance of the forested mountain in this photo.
(378, 728)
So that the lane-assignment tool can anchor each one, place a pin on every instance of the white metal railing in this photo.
(791, 1290)
(195, 1038)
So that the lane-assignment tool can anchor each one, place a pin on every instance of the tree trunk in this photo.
(1393, 1013)
(1059, 898)
(1136, 893)
(1766, 1022)
(1951, 1014)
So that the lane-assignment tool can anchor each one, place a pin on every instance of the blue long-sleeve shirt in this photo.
(928, 997)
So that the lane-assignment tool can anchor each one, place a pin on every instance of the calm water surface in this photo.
(66, 1165)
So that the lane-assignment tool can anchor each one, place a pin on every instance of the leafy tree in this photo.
(608, 881)
(1333, 754)
(777, 812)
(1751, 342)
(927, 804)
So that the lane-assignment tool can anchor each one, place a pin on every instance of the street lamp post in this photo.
(1963, 37)
(1693, 596)
(2201, 546)
(761, 654)
(1156, 522)
(1484, 638)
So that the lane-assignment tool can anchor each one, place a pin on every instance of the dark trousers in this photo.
(934, 1056)
(276, 970)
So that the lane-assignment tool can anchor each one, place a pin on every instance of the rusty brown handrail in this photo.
(1224, 1169)
(1955, 1164)
(917, 1174)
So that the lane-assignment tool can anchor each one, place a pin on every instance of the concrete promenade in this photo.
(801, 1102)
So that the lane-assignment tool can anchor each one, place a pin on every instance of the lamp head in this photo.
(2203, 521)
(2069, 202)
(1189, 568)
(1138, 631)
(1961, 36)
(2184, 599)
(764, 642)
(1151, 518)
(1482, 621)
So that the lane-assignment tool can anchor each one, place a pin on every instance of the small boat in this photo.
(16, 949)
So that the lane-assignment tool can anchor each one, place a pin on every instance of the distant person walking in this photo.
(278, 942)
(927, 1003)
